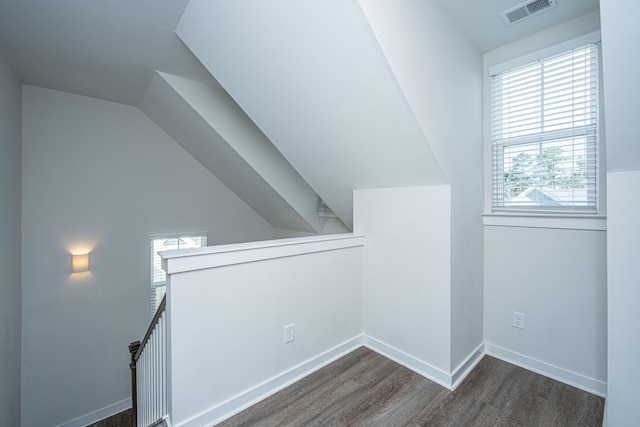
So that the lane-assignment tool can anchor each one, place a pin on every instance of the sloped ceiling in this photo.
(309, 74)
(99, 48)
(116, 51)
(110, 49)
(211, 127)
(313, 78)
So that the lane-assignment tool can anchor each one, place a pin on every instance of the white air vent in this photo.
(527, 10)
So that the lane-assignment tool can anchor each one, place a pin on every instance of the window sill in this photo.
(531, 220)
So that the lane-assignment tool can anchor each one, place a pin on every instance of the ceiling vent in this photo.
(526, 10)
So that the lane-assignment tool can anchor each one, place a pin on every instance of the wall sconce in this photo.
(79, 263)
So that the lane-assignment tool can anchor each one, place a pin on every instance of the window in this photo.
(165, 243)
(544, 134)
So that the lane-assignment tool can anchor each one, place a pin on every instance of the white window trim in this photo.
(539, 55)
(561, 220)
(538, 220)
(153, 237)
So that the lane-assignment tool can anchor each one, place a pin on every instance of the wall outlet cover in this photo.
(518, 320)
(289, 333)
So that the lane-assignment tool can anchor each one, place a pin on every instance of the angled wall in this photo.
(10, 228)
(439, 73)
(101, 176)
(313, 79)
(209, 125)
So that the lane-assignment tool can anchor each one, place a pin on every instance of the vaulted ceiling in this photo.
(109, 49)
(99, 48)
(314, 107)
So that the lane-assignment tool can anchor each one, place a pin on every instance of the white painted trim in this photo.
(166, 420)
(574, 379)
(238, 253)
(567, 222)
(418, 366)
(172, 235)
(242, 401)
(467, 365)
(557, 49)
(98, 415)
(437, 375)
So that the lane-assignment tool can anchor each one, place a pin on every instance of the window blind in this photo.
(544, 132)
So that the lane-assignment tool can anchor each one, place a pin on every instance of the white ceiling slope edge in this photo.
(211, 127)
(313, 78)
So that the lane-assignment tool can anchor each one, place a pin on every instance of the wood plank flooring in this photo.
(364, 388)
(122, 419)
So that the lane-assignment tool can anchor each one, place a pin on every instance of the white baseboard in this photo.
(418, 366)
(435, 374)
(574, 379)
(252, 396)
(467, 365)
(99, 414)
(450, 381)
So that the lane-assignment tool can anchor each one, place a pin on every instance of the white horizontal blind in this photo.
(165, 243)
(544, 134)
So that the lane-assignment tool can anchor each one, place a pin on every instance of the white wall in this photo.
(10, 225)
(619, 45)
(620, 33)
(100, 176)
(227, 322)
(438, 70)
(407, 275)
(623, 236)
(555, 276)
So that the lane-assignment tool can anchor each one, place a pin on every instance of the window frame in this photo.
(540, 111)
(503, 59)
(155, 261)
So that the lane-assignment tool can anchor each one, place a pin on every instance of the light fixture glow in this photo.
(79, 263)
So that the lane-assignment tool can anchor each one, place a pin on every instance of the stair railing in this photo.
(149, 372)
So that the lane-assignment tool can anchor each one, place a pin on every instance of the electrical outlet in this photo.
(289, 333)
(518, 320)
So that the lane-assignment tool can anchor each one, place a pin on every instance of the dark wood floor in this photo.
(366, 389)
(123, 419)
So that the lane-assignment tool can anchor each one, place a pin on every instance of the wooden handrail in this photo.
(152, 326)
(135, 350)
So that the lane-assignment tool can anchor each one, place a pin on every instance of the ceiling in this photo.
(106, 49)
(109, 49)
(112, 49)
(481, 21)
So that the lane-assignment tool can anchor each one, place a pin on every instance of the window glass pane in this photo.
(547, 173)
(159, 275)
